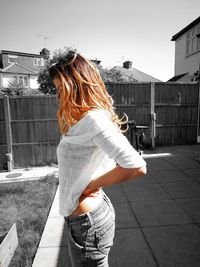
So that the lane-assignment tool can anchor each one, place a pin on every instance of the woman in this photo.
(91, 145)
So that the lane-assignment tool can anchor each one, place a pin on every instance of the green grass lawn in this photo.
(27, 204)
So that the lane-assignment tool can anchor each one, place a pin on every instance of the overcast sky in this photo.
(110, 30)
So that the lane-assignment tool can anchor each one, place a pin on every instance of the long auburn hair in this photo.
(82, 90)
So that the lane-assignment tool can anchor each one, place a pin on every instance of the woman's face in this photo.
(58, 83)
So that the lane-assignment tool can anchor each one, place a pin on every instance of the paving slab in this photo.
(141, 192)
(115, 193)
(147, 179)
(184, 149)
(183, 162)
(175, 246)
(192, 207)
(193, 173)
(158, 164)
(54, 212)
(130, 249)
(162, 212)
(52, 257)
(182, 189)
(170, 176)
(27, 174)
(55, 233)
(124, 216)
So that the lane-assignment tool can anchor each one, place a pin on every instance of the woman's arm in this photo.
(115, 176)
(117, 147)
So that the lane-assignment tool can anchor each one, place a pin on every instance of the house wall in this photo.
(24, 61)
(27, 62)
(5, 80)
(1, 80)
(183, 63)
(33, 82)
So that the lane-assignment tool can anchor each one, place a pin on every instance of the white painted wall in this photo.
(33, 82)
(5, 82)
(183, 63)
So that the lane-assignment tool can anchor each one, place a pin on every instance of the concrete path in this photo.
(27, 174)
(158, 216)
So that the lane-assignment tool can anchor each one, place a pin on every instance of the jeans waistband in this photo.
(97, 211)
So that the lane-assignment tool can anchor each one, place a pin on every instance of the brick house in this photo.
(21, 67)
(187, 53)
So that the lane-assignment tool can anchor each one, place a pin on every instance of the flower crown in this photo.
(64, 59)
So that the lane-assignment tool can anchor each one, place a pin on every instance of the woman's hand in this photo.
(90, 191)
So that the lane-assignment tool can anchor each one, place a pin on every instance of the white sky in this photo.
(110, 30)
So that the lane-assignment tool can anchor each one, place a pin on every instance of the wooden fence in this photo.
(33, 130)
(170, 110)
(29, 130)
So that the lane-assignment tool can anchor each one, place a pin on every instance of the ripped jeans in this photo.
(90, 235)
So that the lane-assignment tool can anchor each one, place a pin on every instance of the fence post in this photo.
(9, 154)
(152, 116)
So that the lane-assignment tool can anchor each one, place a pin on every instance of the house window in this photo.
(192, 42)
(198, 39)
(38, 62)
(21, 79)
(12, 58)
(25, 81)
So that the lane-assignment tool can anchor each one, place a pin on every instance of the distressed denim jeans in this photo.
(90, 236)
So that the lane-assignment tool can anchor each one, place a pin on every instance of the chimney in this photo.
(45, 53)
(127, 64)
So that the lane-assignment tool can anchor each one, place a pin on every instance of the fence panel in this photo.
(133, 99)
(35, 132)
(34, 129)
(176, 108)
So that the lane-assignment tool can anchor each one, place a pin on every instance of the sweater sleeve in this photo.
(117, 147)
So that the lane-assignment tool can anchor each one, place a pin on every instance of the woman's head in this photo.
(80, 88)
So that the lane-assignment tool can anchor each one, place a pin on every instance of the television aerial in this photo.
(45, 38)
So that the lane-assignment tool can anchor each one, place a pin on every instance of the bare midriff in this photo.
(87, 203)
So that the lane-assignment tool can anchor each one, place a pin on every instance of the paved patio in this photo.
(158, 216)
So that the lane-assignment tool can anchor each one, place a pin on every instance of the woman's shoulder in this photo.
(94, 120)
(99, 117)
(98, 113)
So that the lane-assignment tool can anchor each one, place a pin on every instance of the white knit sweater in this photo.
(90, 148)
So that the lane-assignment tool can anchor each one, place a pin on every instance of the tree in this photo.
(47, 87)
(14, 88)
(110, 75)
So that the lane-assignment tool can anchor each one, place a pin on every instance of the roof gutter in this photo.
(187, 28)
